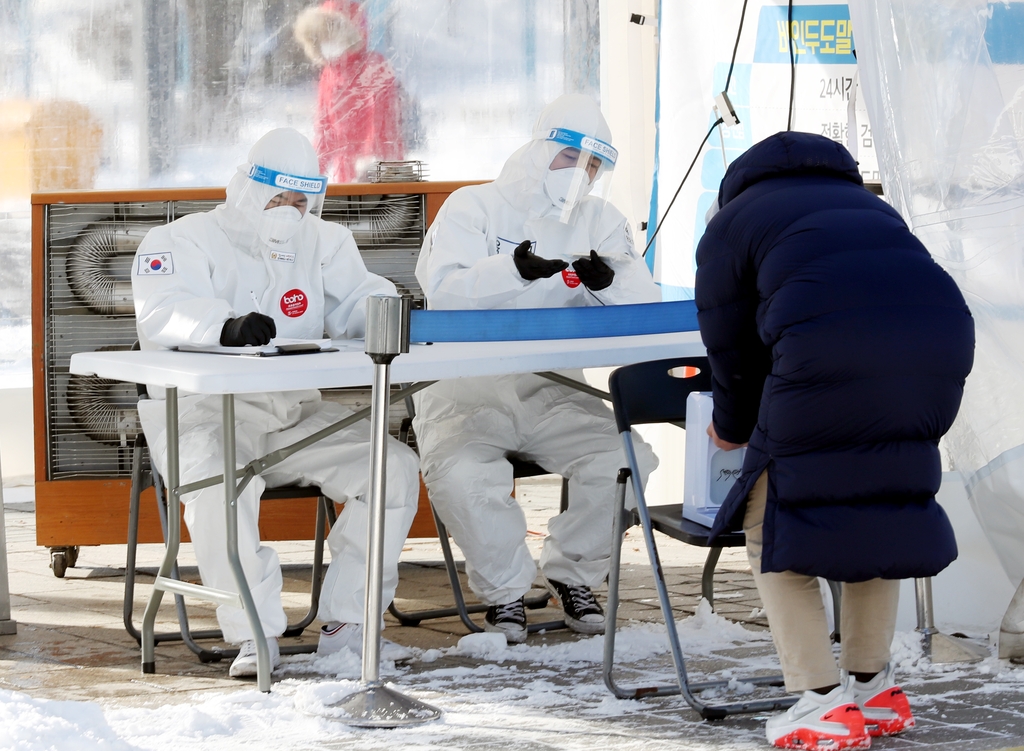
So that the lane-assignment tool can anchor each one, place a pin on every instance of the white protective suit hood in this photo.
(283, 150)
(521, 181)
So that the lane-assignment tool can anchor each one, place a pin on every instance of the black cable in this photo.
(792, 67)
(743, 14)
(728, 79)
(689, 169)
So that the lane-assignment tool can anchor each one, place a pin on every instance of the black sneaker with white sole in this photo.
(582, 613)
(508, 619)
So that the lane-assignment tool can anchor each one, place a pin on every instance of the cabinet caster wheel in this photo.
(59, 562)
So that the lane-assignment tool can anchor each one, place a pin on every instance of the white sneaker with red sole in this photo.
(883, 703)
(821, 722)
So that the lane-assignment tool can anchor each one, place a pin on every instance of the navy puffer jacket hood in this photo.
(839, 350)
(788, 153)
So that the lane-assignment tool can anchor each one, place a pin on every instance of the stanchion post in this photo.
(376, 705)
(940, 647)
(7, 624)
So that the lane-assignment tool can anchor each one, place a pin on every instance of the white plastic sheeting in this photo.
(944, 84)
(174, 93)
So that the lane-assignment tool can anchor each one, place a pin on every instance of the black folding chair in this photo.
(655, 392)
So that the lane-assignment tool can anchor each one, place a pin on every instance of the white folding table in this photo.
(424, 363)
(203, 373)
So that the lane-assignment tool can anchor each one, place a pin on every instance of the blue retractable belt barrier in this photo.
(552, 323)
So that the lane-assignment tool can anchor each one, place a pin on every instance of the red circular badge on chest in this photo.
(570, 278)
(294, 303)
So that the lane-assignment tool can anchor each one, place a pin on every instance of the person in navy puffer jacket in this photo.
(839, 351)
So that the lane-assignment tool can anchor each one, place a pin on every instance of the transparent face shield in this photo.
(576, 168)
(279, 202)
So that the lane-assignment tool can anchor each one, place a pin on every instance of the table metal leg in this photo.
(165, 581)
(263, 666)
(173, 530)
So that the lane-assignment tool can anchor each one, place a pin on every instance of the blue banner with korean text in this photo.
(821, 34)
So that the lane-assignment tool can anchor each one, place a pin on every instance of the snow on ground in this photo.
(493, 691)
(520, 696)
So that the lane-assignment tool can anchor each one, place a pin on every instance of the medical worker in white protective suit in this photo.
(512, 244)
(263, 264)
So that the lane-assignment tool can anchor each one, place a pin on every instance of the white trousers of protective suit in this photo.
(466, 428)
(338, 464)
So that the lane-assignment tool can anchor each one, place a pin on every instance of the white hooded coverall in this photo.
(467, 427)
(214, 267)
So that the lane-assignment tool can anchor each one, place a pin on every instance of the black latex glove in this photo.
(252, 328)
(531, 266)
(594, 273)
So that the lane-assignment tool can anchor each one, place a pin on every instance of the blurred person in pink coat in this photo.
(358, 111)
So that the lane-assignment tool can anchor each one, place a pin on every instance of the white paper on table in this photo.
(348, 345)
(710, 472)
(255, 351)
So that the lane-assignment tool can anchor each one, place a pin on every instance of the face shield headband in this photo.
(578, 164)
(313, 187)
(571, 138)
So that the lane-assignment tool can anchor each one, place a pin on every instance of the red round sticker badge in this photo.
(570, 278)
(294, 303)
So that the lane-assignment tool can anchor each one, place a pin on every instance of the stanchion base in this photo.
(8, 627)
(149, 668)
(942, 648)
(381, 707)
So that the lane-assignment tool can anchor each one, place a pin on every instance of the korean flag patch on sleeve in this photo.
(156, 264)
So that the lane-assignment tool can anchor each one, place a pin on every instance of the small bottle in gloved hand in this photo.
(253, 329)
(532, 266)
(594, 272)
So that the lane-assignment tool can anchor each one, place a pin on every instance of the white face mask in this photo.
(331, 51)
(565, 187)
(341, 42)
(277, 225)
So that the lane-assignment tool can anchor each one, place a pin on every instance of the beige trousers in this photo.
(796, 614)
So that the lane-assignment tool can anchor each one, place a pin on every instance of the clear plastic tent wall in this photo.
(944, 82)
(127, 94)
(164, 94)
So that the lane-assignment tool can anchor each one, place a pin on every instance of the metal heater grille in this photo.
(388, 229)
(88, 251)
